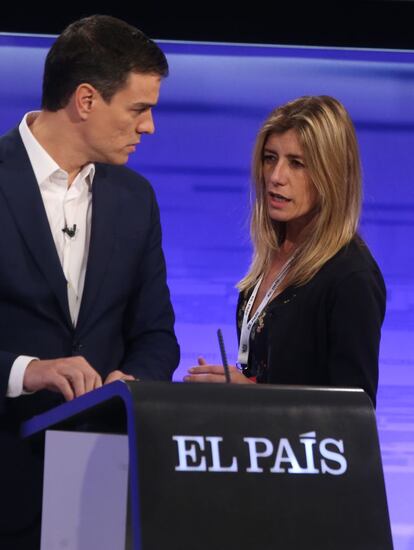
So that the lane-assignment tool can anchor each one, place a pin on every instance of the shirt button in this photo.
(77, 346)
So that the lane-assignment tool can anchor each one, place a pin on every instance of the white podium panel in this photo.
(84, 491)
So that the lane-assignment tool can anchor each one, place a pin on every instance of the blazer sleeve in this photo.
(356, 316)
(152, 352)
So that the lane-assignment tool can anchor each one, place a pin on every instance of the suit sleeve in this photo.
(6, 361)
(357, 314)
(152, 352)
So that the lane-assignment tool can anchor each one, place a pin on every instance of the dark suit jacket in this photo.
(125, 320)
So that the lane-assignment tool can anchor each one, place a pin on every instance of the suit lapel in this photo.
(105, 214)
(19, 186)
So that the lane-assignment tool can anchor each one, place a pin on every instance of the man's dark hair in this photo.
(102, 51)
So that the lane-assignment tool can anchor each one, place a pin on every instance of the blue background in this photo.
(199, 160)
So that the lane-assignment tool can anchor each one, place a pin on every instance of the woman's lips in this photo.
(278, 200)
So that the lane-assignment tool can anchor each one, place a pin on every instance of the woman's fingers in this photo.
(214, 373)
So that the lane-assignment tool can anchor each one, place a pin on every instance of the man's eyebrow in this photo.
(143, 105)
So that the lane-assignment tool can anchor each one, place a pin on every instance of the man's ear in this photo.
(85, 96)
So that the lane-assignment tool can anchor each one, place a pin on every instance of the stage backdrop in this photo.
(199, 159)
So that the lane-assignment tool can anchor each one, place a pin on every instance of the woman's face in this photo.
(290, 195)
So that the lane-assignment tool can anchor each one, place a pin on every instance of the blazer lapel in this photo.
(105, 212)
(20, 188)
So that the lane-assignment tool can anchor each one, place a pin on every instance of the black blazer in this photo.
(125, 320)
(326, 332)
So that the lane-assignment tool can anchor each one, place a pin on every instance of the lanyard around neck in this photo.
(247, 325)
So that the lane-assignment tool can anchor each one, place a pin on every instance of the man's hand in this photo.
(71, 376)
(118, 375)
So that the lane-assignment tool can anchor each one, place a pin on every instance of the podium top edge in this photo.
(125, 392)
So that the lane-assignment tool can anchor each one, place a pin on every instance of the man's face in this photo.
(113, 129)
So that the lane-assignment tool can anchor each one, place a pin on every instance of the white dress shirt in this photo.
(66, 207)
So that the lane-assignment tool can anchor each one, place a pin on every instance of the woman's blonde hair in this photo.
(327, 136)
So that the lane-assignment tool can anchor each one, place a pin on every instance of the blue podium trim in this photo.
(54, 417)
(71, 408)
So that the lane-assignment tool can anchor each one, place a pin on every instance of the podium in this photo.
(219, 466)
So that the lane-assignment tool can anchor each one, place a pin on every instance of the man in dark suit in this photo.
(83, 294)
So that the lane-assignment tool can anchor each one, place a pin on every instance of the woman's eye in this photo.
(268, 159)
(296, 163)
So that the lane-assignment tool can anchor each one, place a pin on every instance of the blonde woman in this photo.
(312, 303)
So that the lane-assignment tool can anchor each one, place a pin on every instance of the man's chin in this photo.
(117, 160)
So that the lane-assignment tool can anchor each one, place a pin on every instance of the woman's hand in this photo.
(214, 373)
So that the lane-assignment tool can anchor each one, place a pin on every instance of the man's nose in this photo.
(146, 124)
